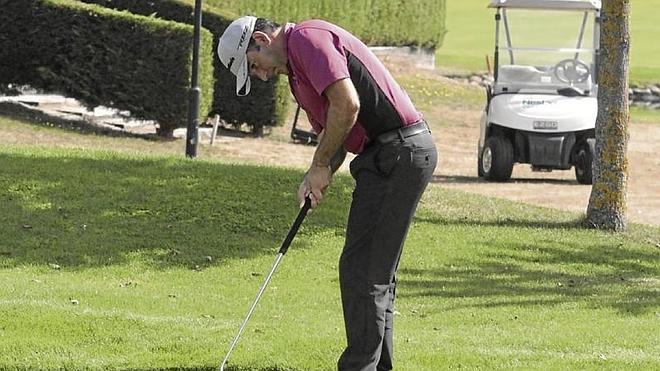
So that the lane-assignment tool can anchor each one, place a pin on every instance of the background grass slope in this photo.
(471, 36)
(117, 261)
(392, 22)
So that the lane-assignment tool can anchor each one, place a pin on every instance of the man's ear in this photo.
(261, 38)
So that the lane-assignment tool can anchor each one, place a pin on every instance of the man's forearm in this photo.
(343, 108)
(341, 116)
(337, 159)
(332, 140)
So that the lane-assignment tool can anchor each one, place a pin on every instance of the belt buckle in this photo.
(400, 134)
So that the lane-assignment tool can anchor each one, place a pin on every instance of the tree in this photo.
(608, 201)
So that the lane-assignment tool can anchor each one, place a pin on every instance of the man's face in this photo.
(263, 60)
(260, 63)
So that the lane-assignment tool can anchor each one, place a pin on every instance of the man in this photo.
(355, 104)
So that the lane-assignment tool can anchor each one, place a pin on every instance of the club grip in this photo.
(296, 225)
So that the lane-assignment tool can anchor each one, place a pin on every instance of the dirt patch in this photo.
(558, 189)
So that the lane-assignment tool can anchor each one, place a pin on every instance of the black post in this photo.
(195, 92)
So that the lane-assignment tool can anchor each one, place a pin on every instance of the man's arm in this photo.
(343, 108)
(338, 158)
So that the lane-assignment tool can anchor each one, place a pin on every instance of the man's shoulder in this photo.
(314, 23)
(314, 26)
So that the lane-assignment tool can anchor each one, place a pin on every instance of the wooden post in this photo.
(216, 122)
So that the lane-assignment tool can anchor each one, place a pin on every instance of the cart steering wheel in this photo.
(571, 71)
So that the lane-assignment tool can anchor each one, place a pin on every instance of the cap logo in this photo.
(231, 61)
(243, 35)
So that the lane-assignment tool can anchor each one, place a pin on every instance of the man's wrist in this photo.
(321, 165)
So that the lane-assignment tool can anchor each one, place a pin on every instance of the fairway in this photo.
(471, 36)
(122, 262)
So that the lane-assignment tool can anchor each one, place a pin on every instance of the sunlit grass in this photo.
(428, 90)
(122, 261)
(644, 115)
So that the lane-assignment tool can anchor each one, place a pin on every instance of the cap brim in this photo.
(243, 79)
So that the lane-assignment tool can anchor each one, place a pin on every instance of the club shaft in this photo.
(278, 257)
(283, 249)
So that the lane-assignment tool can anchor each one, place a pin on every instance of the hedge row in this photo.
(376, 22)
(267, 102)
(104, 57)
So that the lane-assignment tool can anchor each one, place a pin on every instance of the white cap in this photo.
(232, 50)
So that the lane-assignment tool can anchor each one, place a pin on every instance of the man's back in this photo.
(320, 53)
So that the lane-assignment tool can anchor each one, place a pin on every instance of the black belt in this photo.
(403, 132)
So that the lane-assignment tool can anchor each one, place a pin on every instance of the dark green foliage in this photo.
(128, 63)
(267, 102)
(103, 57)
(390, 22)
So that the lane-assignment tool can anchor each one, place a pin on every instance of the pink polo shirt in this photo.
(320, 53)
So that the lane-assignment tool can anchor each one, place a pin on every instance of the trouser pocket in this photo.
(387, 158)
(423, 158)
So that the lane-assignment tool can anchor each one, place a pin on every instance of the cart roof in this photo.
(547, 4)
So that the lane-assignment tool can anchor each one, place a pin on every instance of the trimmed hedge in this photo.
(104, 57)
(267, 103)
(376, 22)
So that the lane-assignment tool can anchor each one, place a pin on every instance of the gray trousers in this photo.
(390, 180)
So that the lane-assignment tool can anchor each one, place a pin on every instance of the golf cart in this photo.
(542, 107)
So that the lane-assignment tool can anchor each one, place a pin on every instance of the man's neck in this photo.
(280, 49)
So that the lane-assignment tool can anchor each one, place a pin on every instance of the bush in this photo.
(391, 22)
(267, 102)
(102, 56)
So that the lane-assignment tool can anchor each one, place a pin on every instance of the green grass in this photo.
(644, 115)
(428, 90)
(471, 36)
(484, 284)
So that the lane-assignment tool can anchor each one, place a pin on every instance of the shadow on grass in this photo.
(216, 368)
(511, 221)
(463, 179)
(78, 210)
(601, 275)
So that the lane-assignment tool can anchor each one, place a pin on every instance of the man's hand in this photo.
(315, 182)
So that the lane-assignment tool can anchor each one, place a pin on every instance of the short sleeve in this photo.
(316, 126)
(320, 55)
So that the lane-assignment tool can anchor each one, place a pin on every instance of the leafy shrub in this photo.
(267, 102)
(376, 22)
(102, 56)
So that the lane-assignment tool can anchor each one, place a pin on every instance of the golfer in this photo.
(355, 105)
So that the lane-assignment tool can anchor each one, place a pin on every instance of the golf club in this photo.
(278, 257)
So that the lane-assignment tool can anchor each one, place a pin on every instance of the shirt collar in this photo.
(288, 29)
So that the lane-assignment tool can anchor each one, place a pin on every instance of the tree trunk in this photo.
(608, 201)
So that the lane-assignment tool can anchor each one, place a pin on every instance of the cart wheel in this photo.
(497, 159)
(584, 160)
